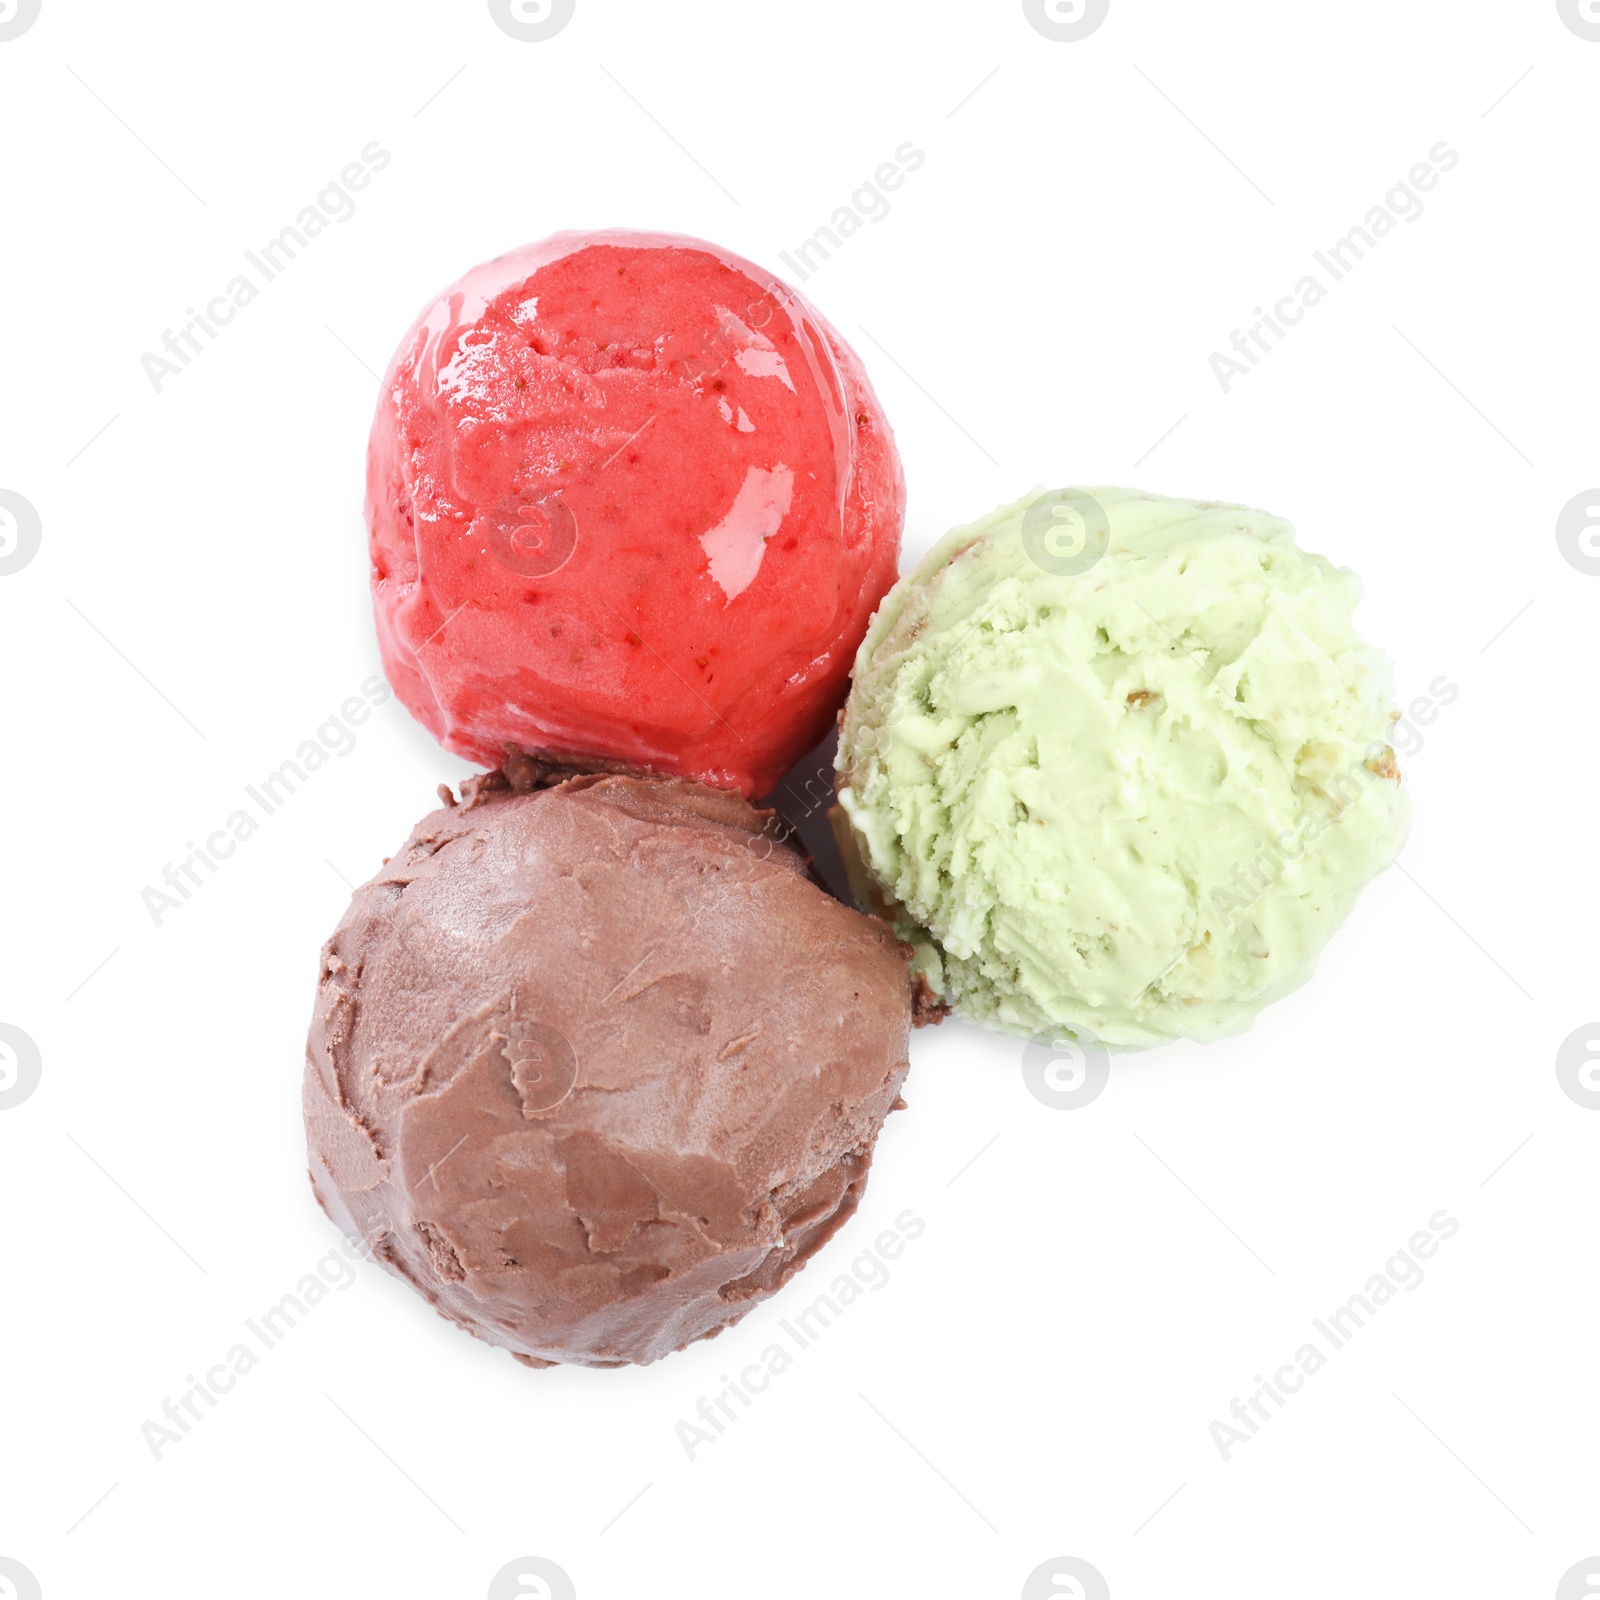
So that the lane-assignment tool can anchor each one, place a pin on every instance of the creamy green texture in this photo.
(1133, 800)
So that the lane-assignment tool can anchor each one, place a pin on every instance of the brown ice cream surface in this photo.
(596, 1066)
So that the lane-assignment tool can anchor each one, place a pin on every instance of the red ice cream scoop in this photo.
(630, 498)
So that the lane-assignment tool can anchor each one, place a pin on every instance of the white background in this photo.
(1093, 1287)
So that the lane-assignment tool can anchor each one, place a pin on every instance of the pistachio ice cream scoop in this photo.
(1118, 764)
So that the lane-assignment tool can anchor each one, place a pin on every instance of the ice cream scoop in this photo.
(595, 1066)
(1118, 764)
(629, 497)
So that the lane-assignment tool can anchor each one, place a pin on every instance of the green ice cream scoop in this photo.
(1118, 764)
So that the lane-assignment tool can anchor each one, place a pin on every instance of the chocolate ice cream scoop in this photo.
(595, 1066)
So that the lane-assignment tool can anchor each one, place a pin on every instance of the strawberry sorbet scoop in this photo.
(630, 498)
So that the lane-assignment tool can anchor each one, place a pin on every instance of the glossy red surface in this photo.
(629, 496)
